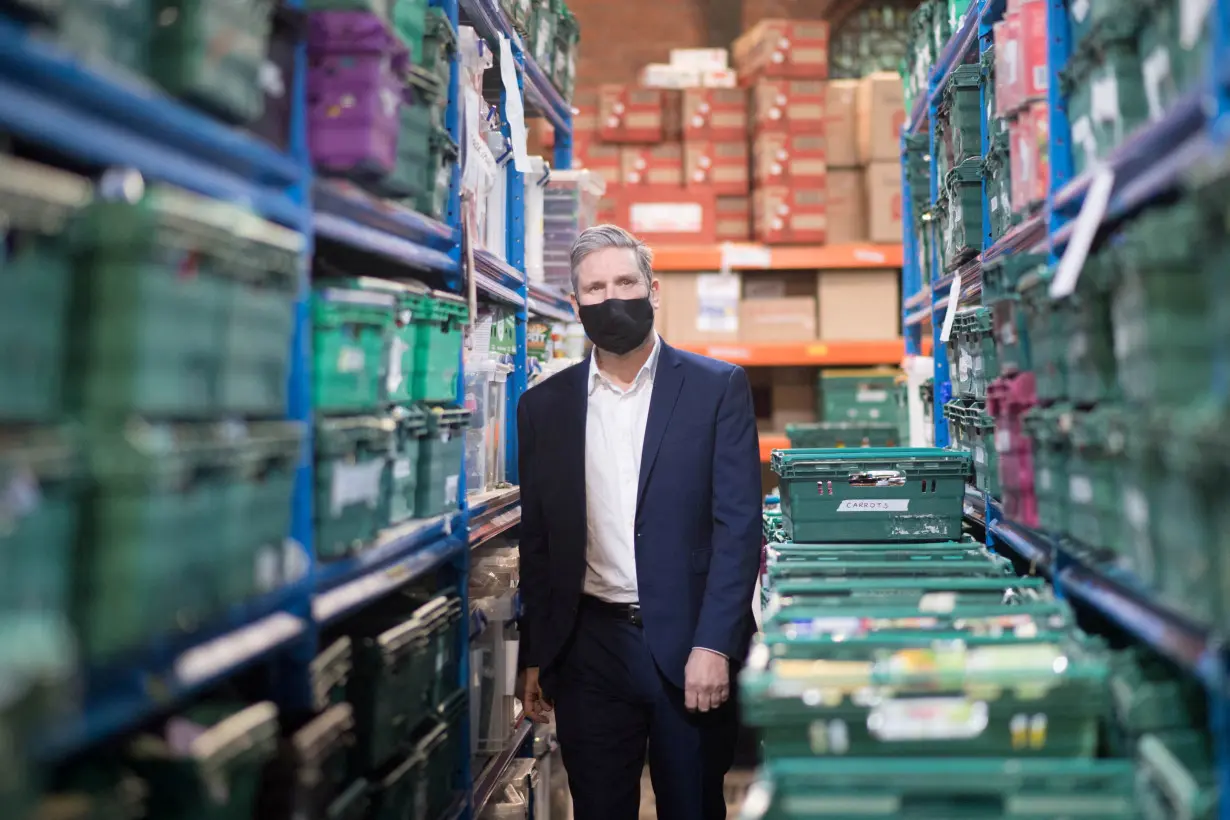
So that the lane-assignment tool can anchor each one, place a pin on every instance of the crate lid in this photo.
(803, 463)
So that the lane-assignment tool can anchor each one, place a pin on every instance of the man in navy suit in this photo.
(640, 545)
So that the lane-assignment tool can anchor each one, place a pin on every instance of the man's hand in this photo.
(530, 692)
(706, 680)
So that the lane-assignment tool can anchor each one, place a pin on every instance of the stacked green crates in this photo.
(959, 119)
(960, 213)
(854, 395)
(999, 292)
(564, 66)
(107, 33)
(972, 356)
(829, 434)
(900, 676)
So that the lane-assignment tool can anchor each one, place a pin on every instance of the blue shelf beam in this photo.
(402, 553)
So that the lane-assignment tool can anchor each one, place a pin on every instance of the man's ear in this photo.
(655, 293)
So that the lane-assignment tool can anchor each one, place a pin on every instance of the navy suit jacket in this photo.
(698, 519)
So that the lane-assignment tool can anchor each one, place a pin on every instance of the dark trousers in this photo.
(611, 704)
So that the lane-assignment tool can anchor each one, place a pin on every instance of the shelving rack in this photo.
(1148, 164)
(106, 121)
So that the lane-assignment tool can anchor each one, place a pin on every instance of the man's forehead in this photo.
(609, 261)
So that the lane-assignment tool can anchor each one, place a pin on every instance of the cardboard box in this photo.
(784, 215)
(884, 202)
(628, 114)
(881, 114)
(847, 206)
(714, 114)
(669, 215)
(700, 59)
(672, 116)
(662, 75)
(701, 307)
(841, 122)
(1033, 79)
(789, 159)
(784, 48)
(792, 396)
(733, 220)
(725, 78)
(608, 207)
(585, 111)
(652, 164)
(791, 319)
(858, 304)
(788, 106)
(600, 157)
(721, 166)
(779, 284)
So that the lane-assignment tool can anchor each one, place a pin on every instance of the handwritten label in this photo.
(874, 505)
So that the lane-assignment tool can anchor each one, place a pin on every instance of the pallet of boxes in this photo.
(904, 670)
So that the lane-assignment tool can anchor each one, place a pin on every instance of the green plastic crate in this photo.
(330, 671)
(1173, 50)
(411, 429)
(872, 494)
(399, 371)
(1047, 344)
(1175, 776)
(439, 45)
(218, 777)
(409, 19)
(1149, 695)
(396, 795)
(1090, 364)
(792, 551)
(961, 214)
(38, 206)
(392, 686)
(352, 329)
(1049, 429)
(855, 595)
(952, 789)
(155, 286)
(153, 485)
(106, 33)
(542, 31)
(960, 111)
(260, 320)
(438, 322)
(969, 563)
(212, 52)
(959, 432)
(440, 454)
(997, 170)
(985, 454)
(1032, 613)
(859, 395)
(567, 38)
(1162, 307)
(1019, 698)
(1192, 558)
(355, 803)
(1098, 440)
(1142, 475)
(445, 754)
(311, 767)
(971, 352)
(999, 292)
(41, 471)
(829, 434)
(353, 483)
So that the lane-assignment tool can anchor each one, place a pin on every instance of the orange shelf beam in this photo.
(824, 354)
(751, 256)
(770, 442)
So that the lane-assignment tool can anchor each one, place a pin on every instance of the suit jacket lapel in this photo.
(571, 432)
(667, 382)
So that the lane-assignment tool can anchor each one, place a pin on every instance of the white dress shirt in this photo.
(614, 438)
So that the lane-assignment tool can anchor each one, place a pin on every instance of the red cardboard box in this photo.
(784, 48)
(669, 215)
(600, 157)
(585, 105)
(608, 207)
(884, 202)
(651, 164)
(714, 114)
(733, 221)
(789, 106)
(787, 159)
(721, 166)
(1033, 79)
(783, 215)
(628, 114)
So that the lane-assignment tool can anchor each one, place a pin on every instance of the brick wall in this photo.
(619, 37)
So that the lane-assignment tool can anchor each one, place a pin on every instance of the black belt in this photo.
(623, 612)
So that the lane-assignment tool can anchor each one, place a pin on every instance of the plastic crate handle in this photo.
(878, 478)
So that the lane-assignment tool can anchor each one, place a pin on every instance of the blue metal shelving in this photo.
(109, 120)
(1151, 162)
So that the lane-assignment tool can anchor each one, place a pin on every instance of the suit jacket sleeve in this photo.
(535, 575)
(736, 522)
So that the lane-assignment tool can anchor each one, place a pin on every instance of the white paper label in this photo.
(1094, 208)
(950, 314)
(1135, 508)
(927, 719)
(1044, 480)
(739, 256)
(355, 484)
(397, 349)
(1192, 16)
(980, 455)
(938, 602)
(1080, 489)
(874, 505)
(666, 217)
(401, 468)
(1003, 441)
(1155, 69)
(451, 485)
(514, 109)
(871, 396)
(350, 360)
(717, 297)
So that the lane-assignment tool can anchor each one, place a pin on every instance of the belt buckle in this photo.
(634, 614)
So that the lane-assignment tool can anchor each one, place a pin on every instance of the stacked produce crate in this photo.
(389, 440)
(902, 665)
(859, 408)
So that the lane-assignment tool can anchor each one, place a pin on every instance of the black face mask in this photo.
(618, 325)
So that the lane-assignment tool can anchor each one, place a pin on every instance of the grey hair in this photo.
(601, 237)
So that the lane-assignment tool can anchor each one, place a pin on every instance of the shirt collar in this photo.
(647, 372)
